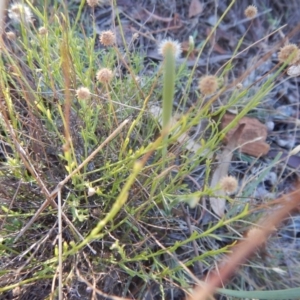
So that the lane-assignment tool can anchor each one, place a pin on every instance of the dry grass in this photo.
(95, 199)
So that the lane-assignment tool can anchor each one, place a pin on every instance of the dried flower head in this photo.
(208, 84)
(290, 52)
(83, 93)
(11, 35)
(19, 12)
(107, 38)
(229, 184)
(170, 44)
(104, 75)
(239, 86)
(251, 11)
(43, 30)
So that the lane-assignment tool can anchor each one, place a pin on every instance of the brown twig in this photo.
(255, 238)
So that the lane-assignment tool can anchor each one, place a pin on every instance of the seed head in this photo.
(239, 86)
(229, 184)
(11, 35)
(107, 38)
(104, 75)
(83, 93)
(170, 44)
(251, 12)
(208, 84)
(43, 30)
(19, 12)
(290, 52)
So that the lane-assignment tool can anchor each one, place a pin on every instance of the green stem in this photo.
(168, 92)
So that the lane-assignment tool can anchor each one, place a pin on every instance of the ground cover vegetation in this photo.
(148, 147)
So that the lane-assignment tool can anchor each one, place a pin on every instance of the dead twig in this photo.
(255, 238)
